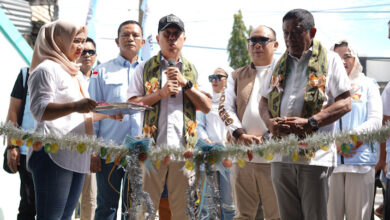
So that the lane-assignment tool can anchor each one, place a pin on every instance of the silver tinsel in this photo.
(213, 205)
(138, 197)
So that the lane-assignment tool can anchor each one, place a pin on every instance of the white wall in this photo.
(11, 62)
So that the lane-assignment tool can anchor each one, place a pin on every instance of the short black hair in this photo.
(306, 19)
(91, 40)
(130, 22)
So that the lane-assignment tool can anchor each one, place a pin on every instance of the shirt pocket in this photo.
(114, 87)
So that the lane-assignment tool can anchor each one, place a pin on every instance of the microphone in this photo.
(172, 63)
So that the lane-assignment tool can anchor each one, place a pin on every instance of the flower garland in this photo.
(289, 145)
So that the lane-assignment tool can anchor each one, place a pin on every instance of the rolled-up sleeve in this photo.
(42, 87)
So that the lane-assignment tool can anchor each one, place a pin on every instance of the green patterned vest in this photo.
(315, 88)
(152, 73)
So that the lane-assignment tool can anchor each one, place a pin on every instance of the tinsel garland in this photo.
(156, 154)
(133, 173)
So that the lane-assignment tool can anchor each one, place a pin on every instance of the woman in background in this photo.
(351, 190)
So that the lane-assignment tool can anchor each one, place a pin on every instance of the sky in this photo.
(208, 24)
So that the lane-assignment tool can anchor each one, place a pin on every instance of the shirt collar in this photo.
(306, 53)
(125, 63)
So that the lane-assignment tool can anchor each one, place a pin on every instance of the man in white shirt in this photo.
(89, 192)
(167, 82)
(309, 91)
(239, 111)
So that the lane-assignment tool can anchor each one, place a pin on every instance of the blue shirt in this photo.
(109, 83)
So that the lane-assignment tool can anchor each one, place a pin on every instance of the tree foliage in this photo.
(238, 46)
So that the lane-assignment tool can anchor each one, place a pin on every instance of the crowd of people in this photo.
(309, 89)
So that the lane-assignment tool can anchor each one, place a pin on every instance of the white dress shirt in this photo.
(50, 83)
(337, 82)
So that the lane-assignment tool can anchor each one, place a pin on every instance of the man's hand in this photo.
(298, 126)
(96, 164)
(117, 117)
(173, 73)
(247, 139)
(347, 155)
(85, 105)
(170, 88)
(381, 165)
(278, 127)
(13, 158)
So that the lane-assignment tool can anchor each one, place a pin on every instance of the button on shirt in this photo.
(337, 82)
(110, 84)
(170, 119)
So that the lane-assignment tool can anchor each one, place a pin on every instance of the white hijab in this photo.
(356, 76)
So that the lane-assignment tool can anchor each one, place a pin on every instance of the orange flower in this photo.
(148, 130)
(276, 82)
(192, 128)
(152, 86)
(318, 82)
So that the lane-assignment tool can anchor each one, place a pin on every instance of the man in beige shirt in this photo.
(239, 111)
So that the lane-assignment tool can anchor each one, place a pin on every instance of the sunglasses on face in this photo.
(90, 52)
(217, 78)
(261, 40)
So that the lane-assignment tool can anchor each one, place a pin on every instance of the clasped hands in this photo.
(174, 82)
(281, 127)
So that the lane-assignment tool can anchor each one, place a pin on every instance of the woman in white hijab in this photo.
(351, 190)
(61, 106)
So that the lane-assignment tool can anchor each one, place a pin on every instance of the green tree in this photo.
(238, 46)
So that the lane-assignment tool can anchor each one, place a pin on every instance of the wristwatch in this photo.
(313, 123)
(187, 86)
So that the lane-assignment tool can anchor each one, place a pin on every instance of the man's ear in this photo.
(276, 45)
(117, 41)
(313, 32)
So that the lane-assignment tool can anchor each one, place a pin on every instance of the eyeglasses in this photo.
(217, 78)
(261, 40)
(90, 52)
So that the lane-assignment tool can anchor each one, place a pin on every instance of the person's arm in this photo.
(300, 126)
(374, 111)
(13, 153)
(42, 86)
(202, 123)
(58, 110)
(381, 164)
(170, 88)
(15, 106)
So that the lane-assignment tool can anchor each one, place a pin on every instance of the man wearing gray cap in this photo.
(168, 83)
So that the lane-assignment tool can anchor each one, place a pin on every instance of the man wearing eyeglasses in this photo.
(109, 83)
(308, 91)
(239, 111)
(89, 191)
(87, 60)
